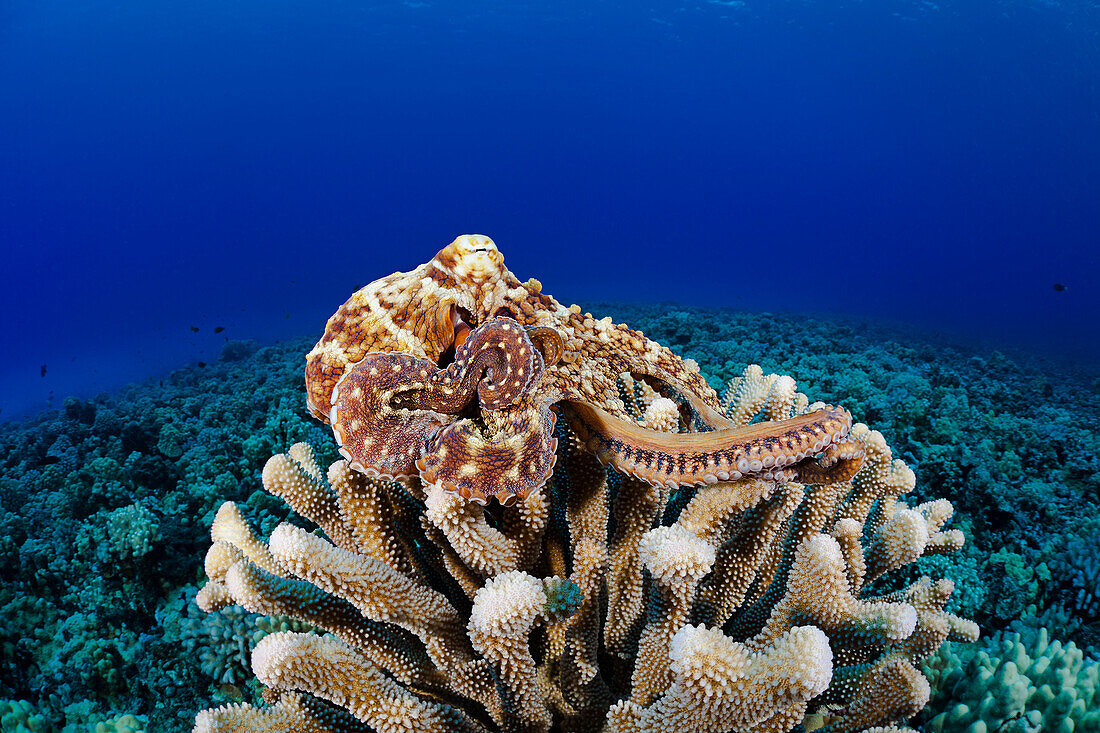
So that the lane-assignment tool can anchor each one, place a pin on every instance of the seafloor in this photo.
(105, 507)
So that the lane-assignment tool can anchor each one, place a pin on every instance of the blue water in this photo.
(246, 164)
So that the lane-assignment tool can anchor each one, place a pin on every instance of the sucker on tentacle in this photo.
(549, 342)
(782, 451)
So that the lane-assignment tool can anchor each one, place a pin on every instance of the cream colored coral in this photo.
(881, 476)
(781, 400)
(229, 527)
(292, 713)
(818, 591)
(675, 556)
(663, 415)
(504, 612)
(483, 548)
(438, 615)
(378, 591)
(327, 667)
(746, 394)
(295, 478)
(711, 512)
(636, 508)
(720, 685)
(739, 560)
(677, 560)
(753, 393)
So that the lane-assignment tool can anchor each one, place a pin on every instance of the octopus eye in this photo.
(549, 342)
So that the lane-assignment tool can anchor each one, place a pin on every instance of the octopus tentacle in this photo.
(361, 326)
(782, 451)
(497, 358)
(508, 466)
(549, 342)
(390, 411)
(377, 439)
(839, 462)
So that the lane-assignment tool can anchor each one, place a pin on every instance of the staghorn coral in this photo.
(731, 605)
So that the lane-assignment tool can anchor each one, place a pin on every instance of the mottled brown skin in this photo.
(395, 415)
(412, 322)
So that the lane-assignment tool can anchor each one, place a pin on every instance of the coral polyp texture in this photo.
(547, 522)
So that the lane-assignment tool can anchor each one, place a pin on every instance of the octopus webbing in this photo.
(456, 373)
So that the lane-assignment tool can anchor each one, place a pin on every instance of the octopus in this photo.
(457, 373)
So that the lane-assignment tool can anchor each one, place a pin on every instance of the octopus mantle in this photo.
(457, 372)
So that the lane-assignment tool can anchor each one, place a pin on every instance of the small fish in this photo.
(49, 461)
(1059, 287)
(202, 363)
(43, 370)
(219, 329)
(194, 329)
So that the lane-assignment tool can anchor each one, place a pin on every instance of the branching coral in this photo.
(714, 580)
(444, 615)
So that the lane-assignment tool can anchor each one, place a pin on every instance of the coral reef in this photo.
(1009, 438)
(98, 512)
(452, 608)
(449, 614)
(444, 615)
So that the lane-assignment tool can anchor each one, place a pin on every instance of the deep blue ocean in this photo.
(170, 168)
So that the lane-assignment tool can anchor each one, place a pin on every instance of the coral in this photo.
(1075, 567)
(171, 439)
(82, 717)
(131, 532)
(1011, 439)
(19, 716)
(224, 640)
(1020, 682)
(751, 613)
(125, 723)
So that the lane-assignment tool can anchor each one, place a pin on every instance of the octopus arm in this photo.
(783, 450)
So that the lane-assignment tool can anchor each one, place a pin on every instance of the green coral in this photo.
(82, 717)
(1015, 682)
(563, 597)
(127, 533)
(131, 531)
(225, 639)
(19, 716)
(171, 439)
